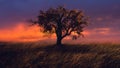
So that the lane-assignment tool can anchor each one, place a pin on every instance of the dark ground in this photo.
(29, 55)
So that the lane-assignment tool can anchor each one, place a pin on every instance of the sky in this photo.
(104, 23)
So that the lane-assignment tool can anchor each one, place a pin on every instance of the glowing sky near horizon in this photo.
(14, 14)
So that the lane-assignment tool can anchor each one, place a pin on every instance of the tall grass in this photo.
(36, 55)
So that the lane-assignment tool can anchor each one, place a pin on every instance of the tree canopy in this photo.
(61, 21)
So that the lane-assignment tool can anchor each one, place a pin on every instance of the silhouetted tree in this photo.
(62, 21)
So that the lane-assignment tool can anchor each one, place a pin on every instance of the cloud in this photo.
(102, 33)
(21, 32)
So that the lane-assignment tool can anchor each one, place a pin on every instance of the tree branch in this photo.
(68, 32)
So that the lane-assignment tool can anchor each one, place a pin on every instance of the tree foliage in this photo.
(64, 22)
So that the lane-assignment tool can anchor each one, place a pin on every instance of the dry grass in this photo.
(32, 55)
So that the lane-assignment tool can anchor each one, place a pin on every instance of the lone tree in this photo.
(61, 21)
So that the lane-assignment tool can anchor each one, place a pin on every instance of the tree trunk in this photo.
(59, 41)
(59, 33)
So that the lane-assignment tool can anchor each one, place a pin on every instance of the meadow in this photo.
(36, 55)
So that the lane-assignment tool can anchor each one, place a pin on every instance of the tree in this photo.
(61, 21)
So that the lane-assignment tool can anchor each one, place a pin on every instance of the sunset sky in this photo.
(104, 18)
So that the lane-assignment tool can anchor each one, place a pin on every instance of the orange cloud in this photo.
(24, 32)
(102, 31)
(21, 32)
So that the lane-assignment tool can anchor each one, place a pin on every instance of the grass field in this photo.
(35, 55)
